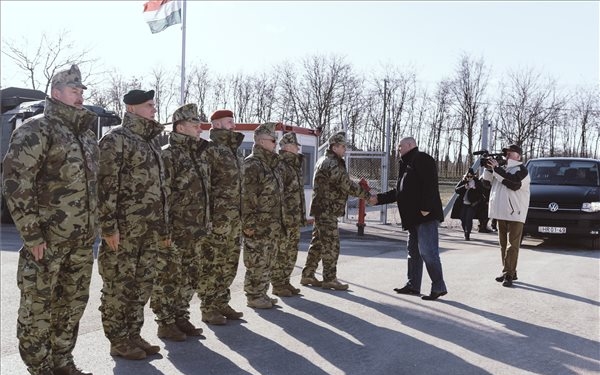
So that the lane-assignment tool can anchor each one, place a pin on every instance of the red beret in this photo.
(221, 113)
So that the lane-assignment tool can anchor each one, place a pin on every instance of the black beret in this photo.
(134, 97)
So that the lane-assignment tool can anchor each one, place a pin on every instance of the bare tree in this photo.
(50, 56)
(527, 106)
(585, 115)
(198, 85)
(165, 89)
(468, 89)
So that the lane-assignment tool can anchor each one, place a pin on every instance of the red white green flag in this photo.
(160, 14)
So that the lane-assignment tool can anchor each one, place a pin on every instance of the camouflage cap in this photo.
(70, 77)
(289, 139)
(338, 138)
(268, 129)
(187, 112)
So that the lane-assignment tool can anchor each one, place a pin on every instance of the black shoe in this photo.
(507, 282)
(433, 296)
(500, 278)
(467, 236)
(485, 230)
(406, 290)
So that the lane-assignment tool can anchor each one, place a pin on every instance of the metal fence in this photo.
(372, 166)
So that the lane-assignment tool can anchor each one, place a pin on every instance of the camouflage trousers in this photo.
(128, 276)
(259, 255)
(177, 277)
(285, 260)
(54, 294)
(325, 246)
(218, 267)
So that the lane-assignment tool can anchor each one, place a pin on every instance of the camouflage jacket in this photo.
(132, 194)
(187, 178)
(225, 187)
(262, 198)
(50, 176)
(332, 186)
(294, 204)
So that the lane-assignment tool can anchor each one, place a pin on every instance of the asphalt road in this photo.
(547, 324)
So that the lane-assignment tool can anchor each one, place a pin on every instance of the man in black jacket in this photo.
(418, 198)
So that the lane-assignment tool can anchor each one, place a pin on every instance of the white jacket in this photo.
(509, 196)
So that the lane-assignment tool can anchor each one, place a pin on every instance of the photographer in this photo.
(470, 197)
(509, 201)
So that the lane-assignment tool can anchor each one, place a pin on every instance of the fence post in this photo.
(361, 209)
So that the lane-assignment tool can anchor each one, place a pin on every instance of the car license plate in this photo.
(553, 230)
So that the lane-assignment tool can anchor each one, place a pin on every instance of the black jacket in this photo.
(476, 197)
(420, 191)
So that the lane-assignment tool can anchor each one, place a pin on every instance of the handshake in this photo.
(372, 201)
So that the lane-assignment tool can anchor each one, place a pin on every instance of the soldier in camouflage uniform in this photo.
(50, 186)
(133, 218)
(294, 215)
(332, 186)
(178, 267)
(262, 215)
(221, 247)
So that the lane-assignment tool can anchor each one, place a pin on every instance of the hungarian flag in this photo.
(160, 14)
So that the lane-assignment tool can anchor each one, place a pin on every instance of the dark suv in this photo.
(565, 198)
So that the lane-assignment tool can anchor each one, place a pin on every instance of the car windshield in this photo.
(564, 172)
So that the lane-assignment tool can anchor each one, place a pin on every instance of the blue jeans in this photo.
(467, 215)
(423, 246)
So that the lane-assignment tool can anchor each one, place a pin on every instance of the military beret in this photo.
(338, 138)
(289, 139)
(134, 97)
(221, 113)
(187, 112)
(514, 148)
(70, 77)
(268, 129)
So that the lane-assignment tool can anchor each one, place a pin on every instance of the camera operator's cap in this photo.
(268, 129)
(514, 148)
(338, 138)
(134, 97)
(70, 77)
(187, 112)
(289, 139)
(221, 113)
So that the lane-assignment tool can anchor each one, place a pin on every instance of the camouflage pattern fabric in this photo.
(127, 281)
(50, 176)
(294, 216)
(132, 174)
(167, 283)
(221, 246)
(178, 271)
(262, 213)
(50, 186)
(54, 294)
(132, 201)
(332, 186)
(325, 246)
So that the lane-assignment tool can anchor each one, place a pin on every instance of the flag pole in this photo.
(184, 10)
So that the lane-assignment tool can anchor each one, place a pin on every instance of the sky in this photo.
(558, 39)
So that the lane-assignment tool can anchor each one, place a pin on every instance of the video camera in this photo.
(485, 156)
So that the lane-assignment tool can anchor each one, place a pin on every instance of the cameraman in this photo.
(509, 201)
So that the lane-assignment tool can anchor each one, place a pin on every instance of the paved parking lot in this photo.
(547, 324)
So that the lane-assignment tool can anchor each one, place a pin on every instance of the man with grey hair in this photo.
(50, 186)
(418, 197)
